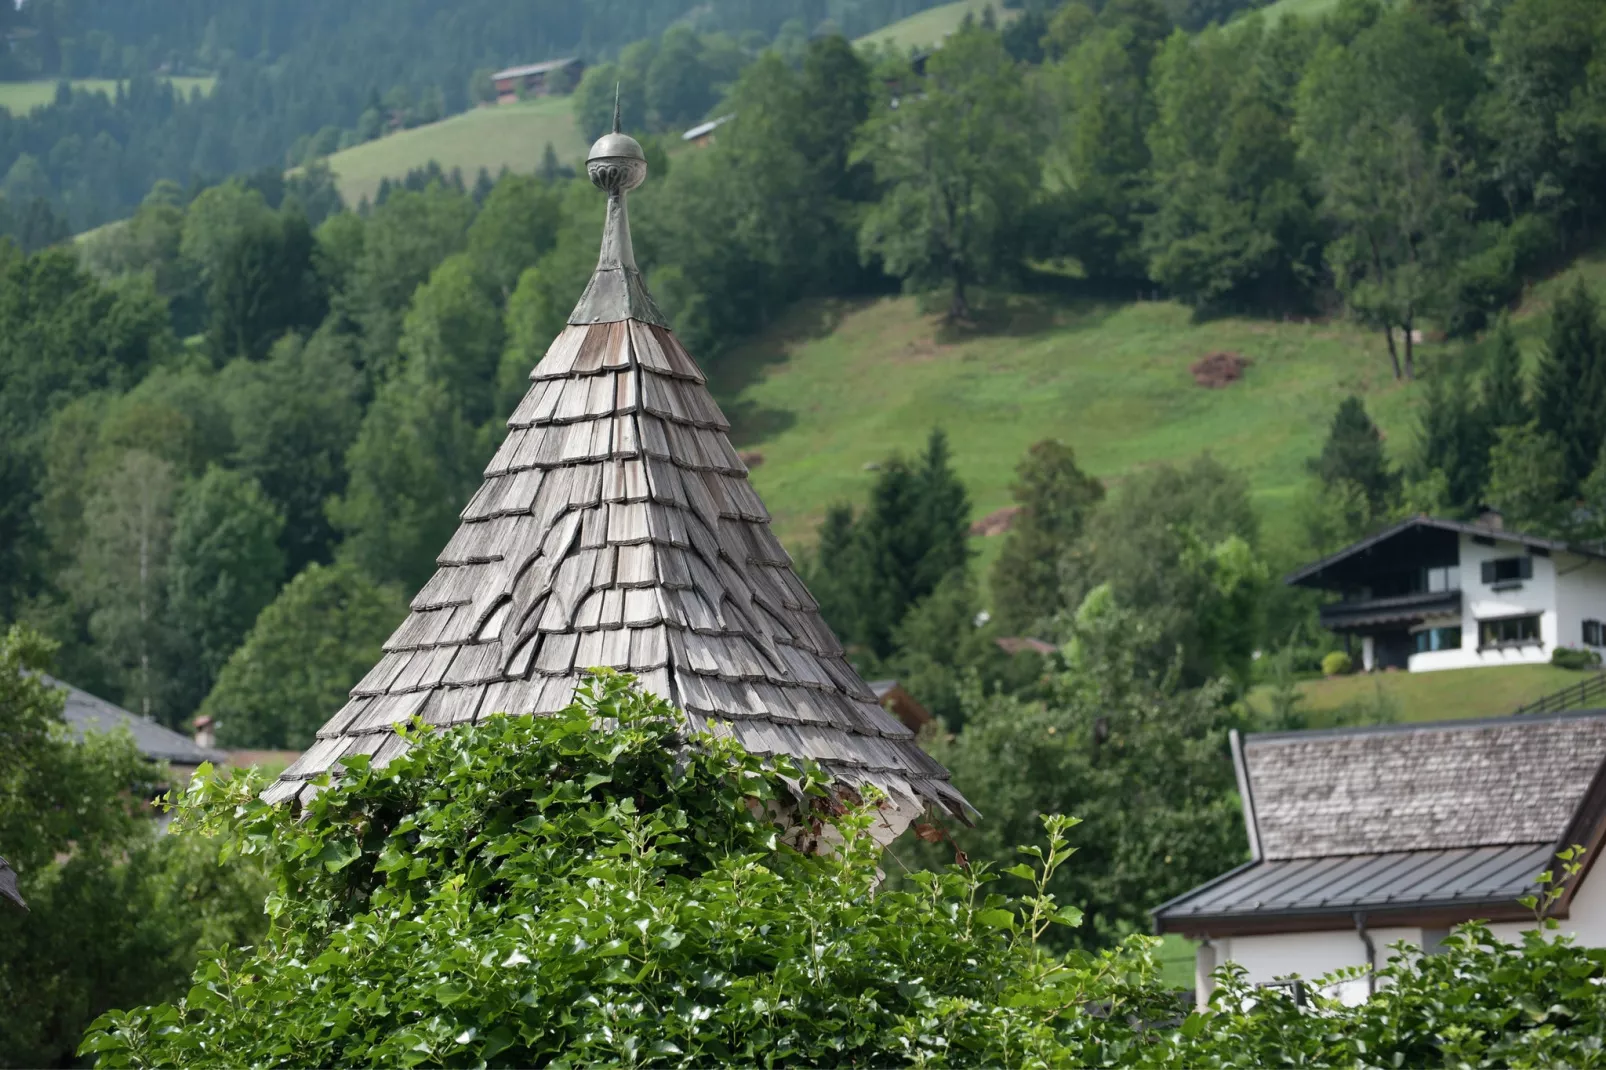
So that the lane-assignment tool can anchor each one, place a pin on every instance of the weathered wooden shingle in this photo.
(1511, 780)
(616, 527)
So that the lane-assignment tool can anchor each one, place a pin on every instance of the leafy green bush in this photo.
(1336, 663)
(1568, 657)
(116, 913)
(587, 889)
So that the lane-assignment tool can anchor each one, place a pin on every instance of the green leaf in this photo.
(996, 918)
(1022, 870)
(593, 779)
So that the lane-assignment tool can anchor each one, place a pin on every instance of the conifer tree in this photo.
(1353, 453)
(1055, 497)
(1455, 436)
(1504, 396)
(1570, 395)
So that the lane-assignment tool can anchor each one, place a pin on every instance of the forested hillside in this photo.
(297, 80)
(238, 428)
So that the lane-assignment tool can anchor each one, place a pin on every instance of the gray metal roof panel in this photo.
(1446, 877)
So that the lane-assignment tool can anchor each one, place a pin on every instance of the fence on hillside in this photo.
(1580, 696)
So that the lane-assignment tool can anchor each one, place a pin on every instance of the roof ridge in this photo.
(1291, 735)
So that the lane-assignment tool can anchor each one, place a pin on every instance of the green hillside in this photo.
(840, 385)
(927, 28)
(1434, 696)
(508, 135)
(19, 98)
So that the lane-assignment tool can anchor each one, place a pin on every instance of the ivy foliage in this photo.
(595, 889)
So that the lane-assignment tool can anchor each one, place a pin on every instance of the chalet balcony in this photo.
(1397, 609)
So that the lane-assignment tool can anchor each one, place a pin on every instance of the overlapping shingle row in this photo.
(616, 527)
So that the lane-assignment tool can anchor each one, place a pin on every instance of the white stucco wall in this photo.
(1565, 590)
(1580, 596)
(1311, 955)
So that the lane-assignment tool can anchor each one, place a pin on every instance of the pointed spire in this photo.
(616, 165)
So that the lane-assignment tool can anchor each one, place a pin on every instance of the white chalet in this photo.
(1440, 594)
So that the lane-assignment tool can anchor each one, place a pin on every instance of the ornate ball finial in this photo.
(616, 163)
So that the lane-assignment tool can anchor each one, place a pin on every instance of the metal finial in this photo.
(616, 107)
(616, 165)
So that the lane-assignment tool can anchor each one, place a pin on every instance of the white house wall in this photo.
(1561, 606)
(1312, 955)
(1580, 596)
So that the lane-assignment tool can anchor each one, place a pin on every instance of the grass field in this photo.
(510, 135)
(20, 98)
(839, 385)
(1434, 696)
(927, 28)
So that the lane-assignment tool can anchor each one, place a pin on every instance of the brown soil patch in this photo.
(1219, 369)
(996, 522)
(751, 458)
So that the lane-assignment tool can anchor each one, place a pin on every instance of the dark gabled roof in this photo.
(616, 527)
(86, 713)
(1453, 816)
(1458, 527)
(1469, 879)
(1422, 786)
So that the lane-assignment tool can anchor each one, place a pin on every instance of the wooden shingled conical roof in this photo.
(616, 527)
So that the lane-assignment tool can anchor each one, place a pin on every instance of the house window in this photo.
(1508, 570)
(1594, 633)
(1509, 631)
(1443, 579)
(1433, 639)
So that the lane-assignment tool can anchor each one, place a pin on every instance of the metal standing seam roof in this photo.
(1464, 876)
(86, 713)
(616, 527)
(1456, 814)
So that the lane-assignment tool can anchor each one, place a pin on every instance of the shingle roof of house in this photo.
(85, 713)
(1421, 786)
(1451, 815)
(616, 527)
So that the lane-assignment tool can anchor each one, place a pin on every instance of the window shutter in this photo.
(1488, 572)
(1526, 569)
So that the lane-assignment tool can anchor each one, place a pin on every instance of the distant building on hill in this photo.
(1363, 837)
(1440, 594)
(538, 79)
(702, 135)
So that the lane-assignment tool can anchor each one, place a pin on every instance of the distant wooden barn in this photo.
(538, 79)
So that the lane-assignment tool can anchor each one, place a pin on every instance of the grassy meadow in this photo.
(20, 98)
(926, 29)
(840, 385)
(505, 135)
(1452, 694)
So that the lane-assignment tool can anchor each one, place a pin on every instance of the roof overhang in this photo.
(1313, 571)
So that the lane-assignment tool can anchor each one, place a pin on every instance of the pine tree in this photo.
(1055, 497)
(831, 569)
(1455, 436)
(1504, 395)
(1570, 395)
(943, 516)
(1353, 453)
